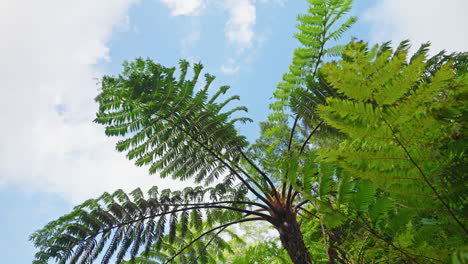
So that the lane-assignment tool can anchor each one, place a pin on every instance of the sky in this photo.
(53, 53)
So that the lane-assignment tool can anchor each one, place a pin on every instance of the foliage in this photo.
(185, 133)
(394, 195)
(257, 245)
(161, 221)
(174, 128)
(370, 170)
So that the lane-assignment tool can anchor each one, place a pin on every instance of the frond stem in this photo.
(251, 179)
(426, 180)
(215, 155)
(220, 202)
(223, 162)
(309, 137)
(261, 216)
(301, 204)
(267, 179)
(211, 240)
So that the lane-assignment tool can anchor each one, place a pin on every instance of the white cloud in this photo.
(230, 67)
(48, 142)
(185, 7)
(239, 27)
(441, 22)
(279, 2)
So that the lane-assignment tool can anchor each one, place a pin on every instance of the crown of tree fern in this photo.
(384, 181)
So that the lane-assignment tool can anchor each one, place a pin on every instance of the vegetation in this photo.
(360, 161)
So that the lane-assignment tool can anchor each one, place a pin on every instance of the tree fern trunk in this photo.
(292, 239)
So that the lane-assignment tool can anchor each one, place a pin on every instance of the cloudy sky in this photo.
(53, 52)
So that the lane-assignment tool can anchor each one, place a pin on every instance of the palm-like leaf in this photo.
(170, 124)
(117, 224)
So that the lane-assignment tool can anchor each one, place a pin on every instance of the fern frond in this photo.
(168, 124)
(117, 224)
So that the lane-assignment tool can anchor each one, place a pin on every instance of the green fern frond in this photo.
(176, 130)
(117, 224)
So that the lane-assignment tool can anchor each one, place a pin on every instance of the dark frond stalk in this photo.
(251, 179)
(301, 204)
(308, 212)
(377, 235)
(296, 119)
(283, 189)
(309, 137)
(290, 191)
(426, 180)
(291, 198)
(295, 194)
(212, 230)
(293, 129)
(220, 202)
(291, 136)
(121, 224)
(216, 156)
(212, 238)
(369, 229)
(267, 179)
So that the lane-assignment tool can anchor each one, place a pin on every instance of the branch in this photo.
(288, 199)
(209, 231)
(426, 180)
(292, 132)
(272, 186)
(377, 235)
(310, 135)
(211, 240)
(223, 162)
(262, 216)
(301, 204)
(220, 202)
(251, 179)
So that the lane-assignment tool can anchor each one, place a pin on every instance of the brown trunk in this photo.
(292, 239)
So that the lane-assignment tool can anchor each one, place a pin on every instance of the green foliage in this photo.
(401, 143)
(316, 29)
(300, 89)
(387, 105)
(257, 245)
(381, 181)
(136, 223)
(262, 253)
(177, 129)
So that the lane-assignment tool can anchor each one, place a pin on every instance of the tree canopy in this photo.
(361, 160)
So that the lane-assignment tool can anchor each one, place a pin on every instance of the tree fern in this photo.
(386, 185)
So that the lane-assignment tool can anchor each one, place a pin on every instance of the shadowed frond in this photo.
(115, 225)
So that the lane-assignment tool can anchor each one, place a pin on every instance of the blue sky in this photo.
(52, 52)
